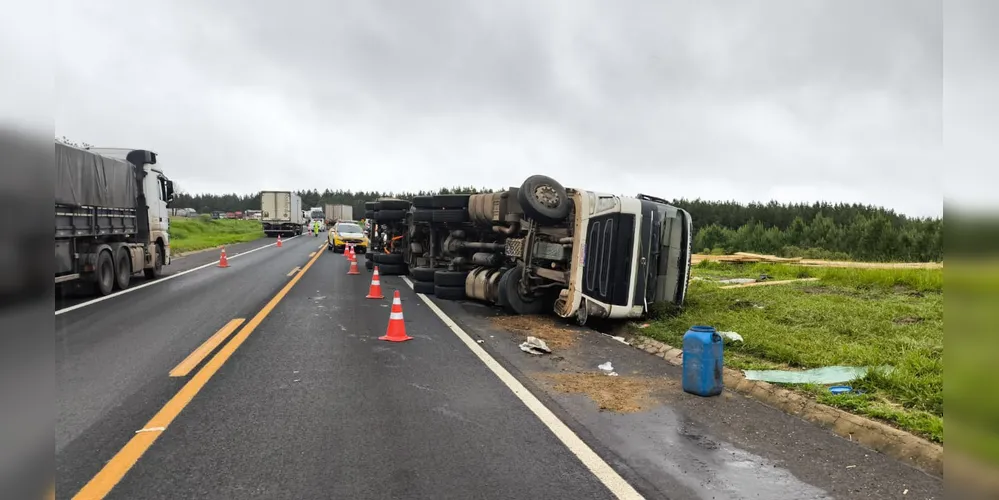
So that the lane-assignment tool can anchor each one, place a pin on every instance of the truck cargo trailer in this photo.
(281, 213)
(111, 217)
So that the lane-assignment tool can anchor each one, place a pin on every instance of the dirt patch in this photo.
(618, 394)
(908, 320)
(542, 327)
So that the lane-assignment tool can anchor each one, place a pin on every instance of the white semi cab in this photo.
(111, 216)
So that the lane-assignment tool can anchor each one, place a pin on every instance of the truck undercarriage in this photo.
(538, 247)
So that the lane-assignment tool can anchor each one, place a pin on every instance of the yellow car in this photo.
(348, 232)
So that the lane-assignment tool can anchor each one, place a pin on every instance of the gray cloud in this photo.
(798, 101)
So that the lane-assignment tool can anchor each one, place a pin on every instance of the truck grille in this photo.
(514, 247)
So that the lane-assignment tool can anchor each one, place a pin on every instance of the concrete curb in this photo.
(883, 438)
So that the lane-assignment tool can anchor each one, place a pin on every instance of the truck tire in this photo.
(392, 269)
(369, 264)
(104, 273)
(450, 292)
(423, 287)
(369, 214)
(157, 269)
(122, 269)
(423, 201)
(424, 274)
(392, 205)
(544, 199)
(451, 201)
(423, 215)
(391, 215)
(388, 258)
(515, 302)
(450, 278)
(450, 216)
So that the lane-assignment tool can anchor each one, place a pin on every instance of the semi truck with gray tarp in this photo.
(111, 216)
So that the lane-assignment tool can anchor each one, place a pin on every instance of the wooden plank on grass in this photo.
(764, 283)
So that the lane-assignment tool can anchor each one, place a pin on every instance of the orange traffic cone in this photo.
(353, 268)
(353, 256)
(279, 241)
(375, 291)
(223, 261)
(346, 252)
(396, 331)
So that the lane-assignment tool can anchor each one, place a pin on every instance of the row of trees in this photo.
(818, 230)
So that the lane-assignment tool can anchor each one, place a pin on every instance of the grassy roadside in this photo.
(190, 234)
(857, 317)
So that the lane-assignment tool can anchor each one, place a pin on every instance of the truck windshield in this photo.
(348, 228)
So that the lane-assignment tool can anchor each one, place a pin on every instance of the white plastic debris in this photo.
(534, 345)
(733, 336)
(607, 367)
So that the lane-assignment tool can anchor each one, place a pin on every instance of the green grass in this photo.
(856, 317)
(189, 234)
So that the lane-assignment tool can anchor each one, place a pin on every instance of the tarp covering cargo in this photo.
(87, 179)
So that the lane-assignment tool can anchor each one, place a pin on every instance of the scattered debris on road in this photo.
(542, 327)
(534, 345)
(608, 368)
(617, 394)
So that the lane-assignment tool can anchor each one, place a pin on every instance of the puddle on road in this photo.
(709, 468)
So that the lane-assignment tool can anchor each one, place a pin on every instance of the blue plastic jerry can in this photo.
(703, 361)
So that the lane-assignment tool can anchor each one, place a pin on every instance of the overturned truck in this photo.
(537, 248)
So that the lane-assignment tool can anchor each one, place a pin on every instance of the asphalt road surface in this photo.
(266, 380)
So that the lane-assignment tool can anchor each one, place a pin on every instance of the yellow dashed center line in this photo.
(199, 354)
(122, 462)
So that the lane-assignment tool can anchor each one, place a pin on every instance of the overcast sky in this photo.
(750, 100)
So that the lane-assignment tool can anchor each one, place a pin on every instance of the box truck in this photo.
(281, 213)
(111, 217)
(337, 213)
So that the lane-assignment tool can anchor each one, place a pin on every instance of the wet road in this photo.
(300, 400)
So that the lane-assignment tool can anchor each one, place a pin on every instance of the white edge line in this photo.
(161, 280)
(601, 469)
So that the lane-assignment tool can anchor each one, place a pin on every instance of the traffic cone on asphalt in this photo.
(223, 261)
(353, 256)
(396, 331)
(353, 268)
(375, 291)
(346, 252)
(279, 241)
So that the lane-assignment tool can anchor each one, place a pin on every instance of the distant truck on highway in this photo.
(111, 217)
(538, 247)
(336, 213)
(281, 213)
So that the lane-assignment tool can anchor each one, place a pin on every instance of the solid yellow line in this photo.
(195, 358)
(293, 271)
(119, 465)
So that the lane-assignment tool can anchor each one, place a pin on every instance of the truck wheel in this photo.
(423, 287)
(515, 302)
(423, 201)
(450, 292)
(423, 215)
(388, 258)
(455, 216)
(369, 264)
(389, 215)
(391, 269)
(391, 205)
(450, 278)
(104, 273)
(451, 201)
(424, 274)
(157, 269)
(123, 269)
(544, 199)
